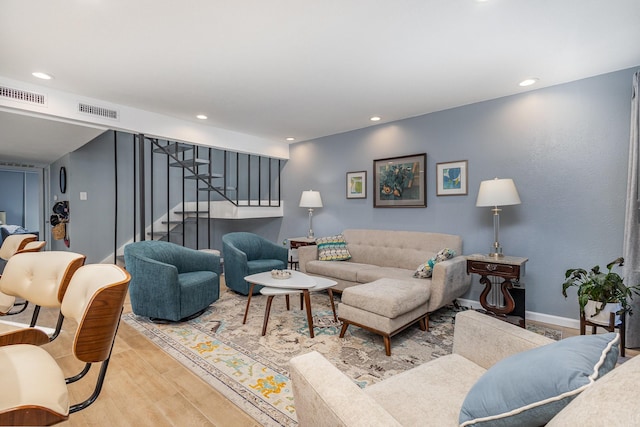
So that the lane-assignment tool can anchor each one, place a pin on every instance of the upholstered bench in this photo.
(385, 307)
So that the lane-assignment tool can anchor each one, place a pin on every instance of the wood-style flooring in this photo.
(147, 387)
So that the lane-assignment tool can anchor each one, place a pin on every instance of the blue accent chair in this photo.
(171, 282)
(248, 253)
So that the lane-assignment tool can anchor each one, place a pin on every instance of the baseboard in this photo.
(532, 315)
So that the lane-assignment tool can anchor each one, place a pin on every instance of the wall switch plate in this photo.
(83, 195)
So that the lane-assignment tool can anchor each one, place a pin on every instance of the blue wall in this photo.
(566, 148)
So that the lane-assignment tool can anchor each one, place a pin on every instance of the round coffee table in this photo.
(298, 283)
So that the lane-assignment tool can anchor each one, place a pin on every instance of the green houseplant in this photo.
(601, 287)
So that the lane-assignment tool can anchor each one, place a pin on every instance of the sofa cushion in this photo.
(366, 275)
(337, 270)
(425, 270)
(332, 248)
(429, 394)
(529, 388)
(387, 297)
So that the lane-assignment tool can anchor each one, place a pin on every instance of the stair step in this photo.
(218, 188)
(178, 222)
(189, 163)
(173, 148)
(162, 233)
(204, 176)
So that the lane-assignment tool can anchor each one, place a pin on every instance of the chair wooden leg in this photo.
(622, 333)
(267, 310)
(423, 323)
(287, 299)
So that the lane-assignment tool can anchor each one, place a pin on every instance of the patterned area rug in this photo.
(251, 370)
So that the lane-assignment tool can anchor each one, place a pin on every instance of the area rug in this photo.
(251, 370)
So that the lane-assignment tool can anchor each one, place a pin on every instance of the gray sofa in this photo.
(433, 393)
(379, 254)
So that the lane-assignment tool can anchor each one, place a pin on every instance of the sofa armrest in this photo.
(485, 340)
(324, 396)
(306, 254)
(448, 282)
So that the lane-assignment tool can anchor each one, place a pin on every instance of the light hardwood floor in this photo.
(147, 387)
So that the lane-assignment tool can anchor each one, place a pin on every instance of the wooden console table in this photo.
(510, 269)
(295, 243)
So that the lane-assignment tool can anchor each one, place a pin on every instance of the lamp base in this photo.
(496, 251)
(496, 255)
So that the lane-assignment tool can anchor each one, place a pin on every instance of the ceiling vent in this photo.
(22, 95)
(105, 113)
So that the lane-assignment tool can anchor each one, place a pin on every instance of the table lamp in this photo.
(310, 199)
(497, 192)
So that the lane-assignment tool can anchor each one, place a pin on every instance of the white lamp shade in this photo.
(310, 199)
(498, 192)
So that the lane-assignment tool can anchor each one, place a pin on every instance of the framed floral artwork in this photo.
(400, 182)
(451, 178)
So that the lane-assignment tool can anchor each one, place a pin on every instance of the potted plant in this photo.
(601, 288)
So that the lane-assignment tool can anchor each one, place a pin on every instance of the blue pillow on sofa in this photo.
(530, 388)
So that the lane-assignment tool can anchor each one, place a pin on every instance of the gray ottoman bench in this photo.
(385, 307)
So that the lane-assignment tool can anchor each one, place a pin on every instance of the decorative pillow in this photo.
(426, 270)
(332, 248)
(530, 388)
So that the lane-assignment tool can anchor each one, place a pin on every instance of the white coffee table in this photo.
(298, 283)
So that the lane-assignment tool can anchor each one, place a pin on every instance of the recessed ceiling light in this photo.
(43, 76)
(528, 82)
(375, 119)
(291, 138)
(202, 117)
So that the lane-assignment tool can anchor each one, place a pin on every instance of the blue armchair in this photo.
(248, 253)
(169, 281)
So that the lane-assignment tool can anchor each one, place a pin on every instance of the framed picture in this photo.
(451, 178)
(400, 182)
(357, 185)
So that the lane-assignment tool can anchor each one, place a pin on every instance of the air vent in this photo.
(22, 95)
(18, 165)
(98, 111)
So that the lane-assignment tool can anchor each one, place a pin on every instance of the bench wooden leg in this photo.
(387, 345)
(345, 325)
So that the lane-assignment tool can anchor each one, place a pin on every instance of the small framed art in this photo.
(451, 178)
(400, 182)
(357, 185)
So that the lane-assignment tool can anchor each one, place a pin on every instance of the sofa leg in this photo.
(345, 325)
(424, 323)
(387, 345)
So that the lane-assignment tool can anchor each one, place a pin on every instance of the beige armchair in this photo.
(37, 277)
(94, 299)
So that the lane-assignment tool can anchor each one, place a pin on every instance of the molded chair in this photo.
(170, 282)
(247, 253)
(41, 278)
(14, 243)
(34, 246)
(34, 389)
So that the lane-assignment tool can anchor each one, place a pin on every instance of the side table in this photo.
(510, 269)
(294, 244)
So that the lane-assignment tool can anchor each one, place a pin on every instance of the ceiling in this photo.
(301, 68)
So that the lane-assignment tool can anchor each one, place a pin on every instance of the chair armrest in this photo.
(31, 336)
(306, 254)
(272, 250)
(324, 396)
(448, 282)
(194, 260)
(485, 340)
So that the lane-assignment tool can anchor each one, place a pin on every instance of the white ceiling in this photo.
(307, 68)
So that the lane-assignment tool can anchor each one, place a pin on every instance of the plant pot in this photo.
(603, 317)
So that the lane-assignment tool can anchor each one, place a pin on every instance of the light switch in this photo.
(83, 195)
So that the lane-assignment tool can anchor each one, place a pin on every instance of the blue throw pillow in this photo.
(530, 388)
